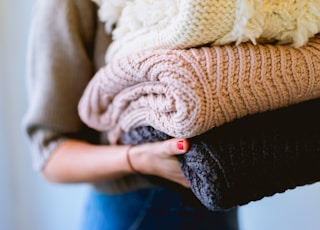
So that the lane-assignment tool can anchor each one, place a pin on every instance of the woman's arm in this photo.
(60, 63)
(76, 161)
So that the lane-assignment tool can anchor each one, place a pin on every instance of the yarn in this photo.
(174, 24)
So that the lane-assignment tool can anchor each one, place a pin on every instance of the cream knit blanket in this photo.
(188, 92)
(176, 24)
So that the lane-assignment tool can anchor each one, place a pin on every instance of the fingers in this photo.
(159, 159)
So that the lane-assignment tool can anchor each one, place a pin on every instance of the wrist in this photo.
(138, 157)
(131, 166)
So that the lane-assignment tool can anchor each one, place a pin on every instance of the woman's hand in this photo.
(159, 159)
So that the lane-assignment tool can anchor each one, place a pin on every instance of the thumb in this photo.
(176, 146)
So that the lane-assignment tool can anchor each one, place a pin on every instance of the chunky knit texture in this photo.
(172, 24)
(250, 158)
(185, 93)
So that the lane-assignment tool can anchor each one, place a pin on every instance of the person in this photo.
(66, 47)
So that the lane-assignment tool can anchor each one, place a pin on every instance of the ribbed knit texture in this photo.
(184, 93)
(172, 24)
(250, 158)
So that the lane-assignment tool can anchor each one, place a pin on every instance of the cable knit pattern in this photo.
(238, 162)
(173, 24)
(187, 92)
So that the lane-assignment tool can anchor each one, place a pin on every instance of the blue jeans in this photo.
(152, 208)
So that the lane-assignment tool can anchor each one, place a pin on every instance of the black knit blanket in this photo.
(249, 158)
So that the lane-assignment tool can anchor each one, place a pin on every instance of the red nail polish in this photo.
(180, 145)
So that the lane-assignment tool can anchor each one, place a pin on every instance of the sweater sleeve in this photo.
(59, 66)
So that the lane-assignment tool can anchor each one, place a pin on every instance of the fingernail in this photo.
(180, 145)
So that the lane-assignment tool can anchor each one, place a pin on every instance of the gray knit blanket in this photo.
(248, 159)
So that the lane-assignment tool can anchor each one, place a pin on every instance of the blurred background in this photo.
(27, 202)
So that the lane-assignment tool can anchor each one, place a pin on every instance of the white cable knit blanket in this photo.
(188, 92)
(176, 24)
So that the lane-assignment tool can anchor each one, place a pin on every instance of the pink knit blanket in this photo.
(187, 92)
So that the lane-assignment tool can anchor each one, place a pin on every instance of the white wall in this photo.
(296, 209)
(27, 202)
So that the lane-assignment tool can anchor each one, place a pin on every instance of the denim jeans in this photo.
(152, 208)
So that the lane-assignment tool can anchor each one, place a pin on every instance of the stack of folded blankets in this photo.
(198, 69)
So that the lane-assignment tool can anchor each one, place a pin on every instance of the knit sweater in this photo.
(248, 159)
(185, 93)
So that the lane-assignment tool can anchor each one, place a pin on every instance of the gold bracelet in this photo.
(129, 161)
